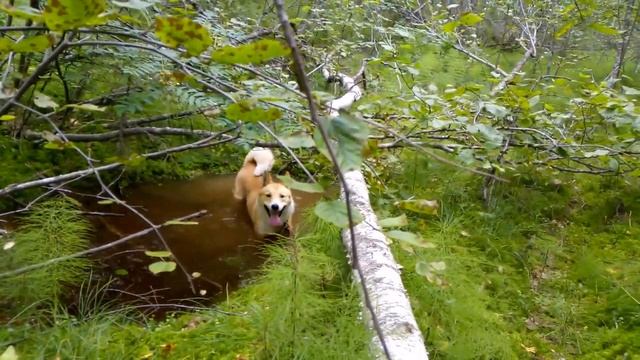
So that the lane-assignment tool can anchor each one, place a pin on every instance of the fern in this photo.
(52, 229)
(191, 97)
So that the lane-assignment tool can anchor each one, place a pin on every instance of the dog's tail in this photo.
(262, 157)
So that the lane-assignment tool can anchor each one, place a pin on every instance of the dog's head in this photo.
(277, 201)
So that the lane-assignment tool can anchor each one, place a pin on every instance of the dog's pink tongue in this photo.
(274, 220)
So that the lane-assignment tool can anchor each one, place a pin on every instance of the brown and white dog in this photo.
(270, 204)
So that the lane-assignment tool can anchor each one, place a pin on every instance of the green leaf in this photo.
(630, 91)
(489, 132)
(9, 354)
(614, 165)
(604, 29)
(60, 15)
(470, 19)
(106, 202)
(438, 265)
(296, 185)
(257, 52)
(162, 266)
(22, 12)
(175, 31)
(466, 156)
(421, 206)
(38, 43)
(160, 254)
(596, 153)
(298, 141)
(496, 110)
(565, 28)
(44, 101)
(87, 107)
(247, 111)
(335, 212)
(409, 238)
(55, 145)
(178, 222)
(7, 117)
(394, 221)
(349, 136)
(121, 272)
(422, 268)
(450, 26)
(133, 4)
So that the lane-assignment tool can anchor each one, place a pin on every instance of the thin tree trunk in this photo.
(628, 24)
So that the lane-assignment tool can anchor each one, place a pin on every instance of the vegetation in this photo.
(499, 140)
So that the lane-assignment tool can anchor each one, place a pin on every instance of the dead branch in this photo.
(516, 69)
(163, 117)
(206, 142)
(33, 135)
(108, 245)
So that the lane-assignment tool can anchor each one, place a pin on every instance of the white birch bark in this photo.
(380, 272)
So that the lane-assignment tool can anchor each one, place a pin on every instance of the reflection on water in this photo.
(222, 247)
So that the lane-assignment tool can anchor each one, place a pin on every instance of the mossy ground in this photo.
(549, 272)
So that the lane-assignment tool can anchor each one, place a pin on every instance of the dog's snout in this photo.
(274, 207)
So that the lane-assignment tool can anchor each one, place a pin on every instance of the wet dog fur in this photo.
(270, 204)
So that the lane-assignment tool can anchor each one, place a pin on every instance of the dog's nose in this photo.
(274, 206)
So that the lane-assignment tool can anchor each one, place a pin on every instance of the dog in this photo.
(270, 204)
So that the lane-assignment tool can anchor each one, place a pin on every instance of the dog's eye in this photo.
(268, 195)
(282, 196)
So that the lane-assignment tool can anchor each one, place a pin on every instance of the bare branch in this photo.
(163, 117)
(207, 142)
(44, 65)
(33, 135)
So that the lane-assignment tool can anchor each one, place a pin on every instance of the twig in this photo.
(34, 76)
(293, 155)
(107, 190)
(108, 245)
(33, 135)
(206, 142)
(152, 119)
(427, 152)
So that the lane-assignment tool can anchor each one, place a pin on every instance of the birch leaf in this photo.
(296, 185)
(60, 15)
(257, 52)
(335, 212)
(162, 266)
(177, 31)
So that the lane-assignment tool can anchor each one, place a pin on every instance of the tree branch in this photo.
(207, 142)
(34, 135)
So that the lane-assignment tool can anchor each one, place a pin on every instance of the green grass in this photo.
(552, 268)
(52, 229)
(301, 306)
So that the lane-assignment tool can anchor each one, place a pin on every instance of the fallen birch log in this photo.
(380, 272)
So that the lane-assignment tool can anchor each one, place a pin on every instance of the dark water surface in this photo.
(222, 247)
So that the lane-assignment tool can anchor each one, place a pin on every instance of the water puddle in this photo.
(222, 247)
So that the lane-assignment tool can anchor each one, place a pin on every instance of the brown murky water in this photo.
(222, 247)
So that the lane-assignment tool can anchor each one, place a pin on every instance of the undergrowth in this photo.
(52, 229)
(549, 272)
(301, 306)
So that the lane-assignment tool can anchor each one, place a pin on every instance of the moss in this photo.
(549, 270)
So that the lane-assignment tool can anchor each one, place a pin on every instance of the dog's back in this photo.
(257, 165)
